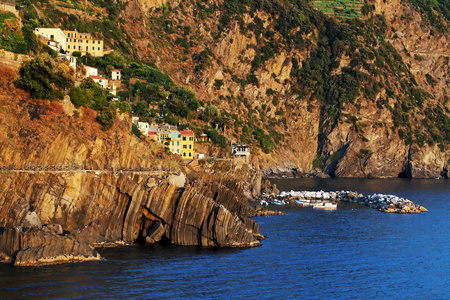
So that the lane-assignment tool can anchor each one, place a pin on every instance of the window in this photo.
(190, 146)
(184, 147)
(184, 154)
(178, 143)
(190, 154)
(178, 150)
(191, 138)
(74, 40)
(98, 49)
(99, 42)
(87, 48)
(184, 138)
(93, 48)
(68, 46)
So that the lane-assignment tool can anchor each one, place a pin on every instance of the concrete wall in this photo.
(12, 60)
(8, 5)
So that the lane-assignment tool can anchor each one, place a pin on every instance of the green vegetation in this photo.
(45, 78)
(14, 38)
(296, 26)
(106, 117)
(340, 8)
(217, 138)
(135, 130)
(89, 94)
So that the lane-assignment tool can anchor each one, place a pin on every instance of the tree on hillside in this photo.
(106, 117)
(44, 78)
(89, 94)
(210, 112)
(30, 38)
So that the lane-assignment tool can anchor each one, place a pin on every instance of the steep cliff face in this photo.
(67, 186)
(365, 138)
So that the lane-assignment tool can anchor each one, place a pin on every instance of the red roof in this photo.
(115, 70)
(187, 132)
(96, 77)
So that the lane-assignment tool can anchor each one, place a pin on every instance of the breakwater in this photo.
(330, 200)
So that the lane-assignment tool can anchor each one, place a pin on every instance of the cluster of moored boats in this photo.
(317, 200)
(330, 200)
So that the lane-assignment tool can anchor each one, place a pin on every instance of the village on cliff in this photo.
(180, 142)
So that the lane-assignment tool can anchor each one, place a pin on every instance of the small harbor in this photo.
(330, 201)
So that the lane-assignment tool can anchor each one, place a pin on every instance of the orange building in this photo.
(83, 42)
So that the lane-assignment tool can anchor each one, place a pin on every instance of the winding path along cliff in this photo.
(68, 187)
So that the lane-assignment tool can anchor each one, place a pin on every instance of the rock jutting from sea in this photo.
(52, 218)
(381, 202)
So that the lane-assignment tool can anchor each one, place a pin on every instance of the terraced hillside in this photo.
(342, 9)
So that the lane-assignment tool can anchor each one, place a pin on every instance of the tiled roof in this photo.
(187, 132)
(97, 77)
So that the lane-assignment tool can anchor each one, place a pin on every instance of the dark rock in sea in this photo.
(35, 246)
(84, 209)
(293, 173)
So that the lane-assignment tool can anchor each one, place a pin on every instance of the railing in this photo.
(78, 168)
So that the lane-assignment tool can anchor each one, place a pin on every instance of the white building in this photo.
(100, 80)
(143, 127)
(134, 120)
(115, 74)
(240, 150)
(55, 37)
(91, 71)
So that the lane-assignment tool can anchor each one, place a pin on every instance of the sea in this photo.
(354, 252)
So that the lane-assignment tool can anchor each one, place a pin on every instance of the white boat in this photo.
(264, 203)
(326, 205)
(278, 202)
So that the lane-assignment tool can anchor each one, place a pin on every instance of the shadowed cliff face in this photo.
(368, 142)
(97, 209)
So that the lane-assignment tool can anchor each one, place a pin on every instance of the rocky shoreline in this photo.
(290, 173)
(62, 217)
(381, 202)
(281, 173)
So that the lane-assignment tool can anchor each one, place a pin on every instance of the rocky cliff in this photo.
(387, 128)
(51, 217)
(68, 187)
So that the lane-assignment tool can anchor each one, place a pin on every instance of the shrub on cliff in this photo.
(106, 117)
(217, 138)
(44, 78)
(89, 94)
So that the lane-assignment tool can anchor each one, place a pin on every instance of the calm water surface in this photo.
(352, 253)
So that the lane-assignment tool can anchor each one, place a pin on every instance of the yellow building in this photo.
(187, 144)
(83, 42)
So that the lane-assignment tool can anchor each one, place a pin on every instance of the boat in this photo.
(264, 203)
(303, 203)
(278, 202)
(326, 205)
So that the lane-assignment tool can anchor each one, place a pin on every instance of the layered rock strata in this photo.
(86, 209)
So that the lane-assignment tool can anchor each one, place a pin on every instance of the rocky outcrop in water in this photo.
(40, 246)
(80, 210)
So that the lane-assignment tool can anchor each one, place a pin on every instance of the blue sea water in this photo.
(354, 252)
